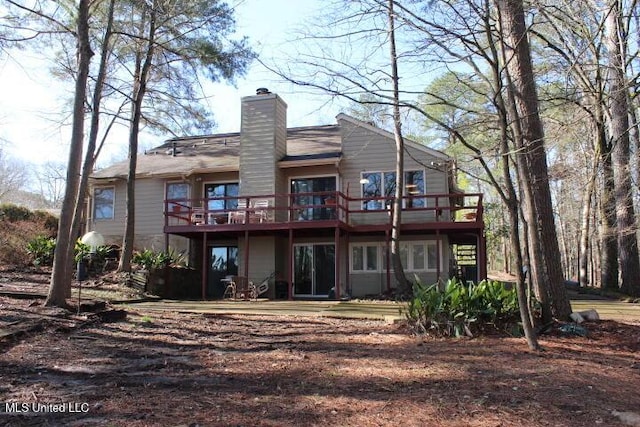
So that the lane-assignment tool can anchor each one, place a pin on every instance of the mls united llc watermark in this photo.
(33, 408)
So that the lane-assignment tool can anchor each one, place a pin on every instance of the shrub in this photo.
(15, 213)
(149, 258)
(41, 250)
(461, 309)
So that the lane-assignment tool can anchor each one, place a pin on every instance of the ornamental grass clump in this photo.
(460, 309)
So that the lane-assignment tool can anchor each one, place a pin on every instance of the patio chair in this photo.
(230, 290)
(197, 216)
(262, 287)
(261, 211)
(239, 215)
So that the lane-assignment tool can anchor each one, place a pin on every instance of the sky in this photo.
(31, 99)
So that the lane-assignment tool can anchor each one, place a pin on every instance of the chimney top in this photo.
(262, 91)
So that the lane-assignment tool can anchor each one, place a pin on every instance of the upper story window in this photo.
(178, 191)
(216, 196)
(103, 202)
(376, 185)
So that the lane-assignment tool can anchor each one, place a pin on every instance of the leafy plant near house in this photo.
(149, 259)
(461, 309)
(41, 249)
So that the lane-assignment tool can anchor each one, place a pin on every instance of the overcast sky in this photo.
(30, 101)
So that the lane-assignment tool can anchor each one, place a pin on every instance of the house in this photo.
(310, 206)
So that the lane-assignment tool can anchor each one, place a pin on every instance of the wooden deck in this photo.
(274, 214)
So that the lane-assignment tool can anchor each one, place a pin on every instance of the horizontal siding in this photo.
(262, 260)
(262, 143)
(365, 150)
(149, 214)
(149, 206)
(112, 229)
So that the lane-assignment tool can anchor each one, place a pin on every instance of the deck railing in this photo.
(322, 206)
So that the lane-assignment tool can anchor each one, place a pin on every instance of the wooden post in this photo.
(290, 272)
(337, 262)
(205, 266)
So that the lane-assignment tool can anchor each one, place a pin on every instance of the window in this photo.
(415, 256)
(178, 191)
(103, 200)
(216, 193)
(364, 258)
(414, 186)
(376, 185)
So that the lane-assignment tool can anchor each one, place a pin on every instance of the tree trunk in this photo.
(90, 155)
(404, 287)
(541, 219)
(585, 227)
(628, 258)
(510, 198)
(60, 285)
(141, 76)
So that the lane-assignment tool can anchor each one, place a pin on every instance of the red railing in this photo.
(322, 206)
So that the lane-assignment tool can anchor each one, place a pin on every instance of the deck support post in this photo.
(387, 238)
(481, 256)
(205, 268)
(246, 254)
(337, 262)
(438, 256)
(290, 269)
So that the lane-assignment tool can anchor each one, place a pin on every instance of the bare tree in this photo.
(62, 262)
(629, 261)
(404, 287)
(171, 42)
(532, 159)
(13, 175)
(51, 178)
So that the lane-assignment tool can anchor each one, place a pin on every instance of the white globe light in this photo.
(93, 239)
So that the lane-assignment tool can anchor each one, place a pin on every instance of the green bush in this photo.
(149, 258)
(15, 213)
(41, 249)
(461, 309)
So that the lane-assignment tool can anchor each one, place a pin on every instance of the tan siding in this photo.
(262, 143)
(262, 259)
(112, 229)
(365, 150)
(149, 206)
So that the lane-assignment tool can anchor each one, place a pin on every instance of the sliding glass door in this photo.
(314, 269)
(223, 262)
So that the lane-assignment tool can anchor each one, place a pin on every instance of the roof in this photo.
(221, 153)
(185, 156)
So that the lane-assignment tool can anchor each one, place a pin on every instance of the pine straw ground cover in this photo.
(177, 369)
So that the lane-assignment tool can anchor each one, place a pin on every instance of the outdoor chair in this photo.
(238, 215)
(261, 211)
(197, 216)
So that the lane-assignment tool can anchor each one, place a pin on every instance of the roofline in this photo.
(388, 134)
(237, 134)
(167, 174)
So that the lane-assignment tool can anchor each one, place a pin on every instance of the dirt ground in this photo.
(180, 369)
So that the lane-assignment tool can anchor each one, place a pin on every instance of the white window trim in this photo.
(113, 203)
(364, 246)
(381, 254)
